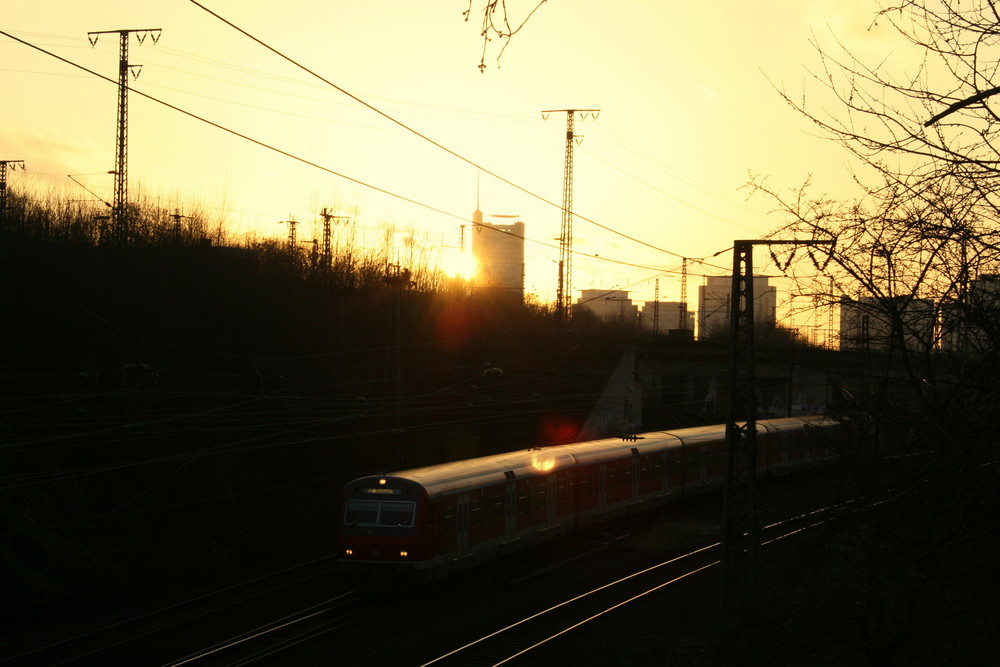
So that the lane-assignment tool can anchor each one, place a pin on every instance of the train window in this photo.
(396, 513)
(476, 513)
(363, 512)
(522, 500)
(379, 513)
(539, 501)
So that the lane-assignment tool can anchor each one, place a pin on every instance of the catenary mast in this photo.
(119, 216)
(564, 290)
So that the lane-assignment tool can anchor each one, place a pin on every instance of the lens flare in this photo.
(542, 463)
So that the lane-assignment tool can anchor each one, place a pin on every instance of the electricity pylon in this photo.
(4, 164)
(292, 224)
(564, 290)
(683, 305)
(327, 254)
(119, 216)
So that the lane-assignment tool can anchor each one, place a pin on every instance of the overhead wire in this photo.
(307, 162)
(666, 194)
(402, 125)
(662, 166)
(418, 133)
(236, 133)
(409, 200)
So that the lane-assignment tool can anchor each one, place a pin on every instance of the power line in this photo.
(316, 165)
(235, 133)
(326, 169)
(415, 132)
(662, 166)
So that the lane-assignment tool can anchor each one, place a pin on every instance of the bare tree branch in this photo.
(496, 23)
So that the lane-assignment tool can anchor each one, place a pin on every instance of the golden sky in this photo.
(687, 110)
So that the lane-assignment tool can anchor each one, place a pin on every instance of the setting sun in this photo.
(458, 264)
(278, 142)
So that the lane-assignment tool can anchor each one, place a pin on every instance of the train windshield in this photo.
(379, 513)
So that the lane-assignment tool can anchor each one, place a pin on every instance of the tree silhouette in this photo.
(914, 277)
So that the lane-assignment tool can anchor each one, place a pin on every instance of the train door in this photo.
(665, 472)
(602, 488)
(550, 501)
(636, 478)
(462, 528)
(510, 507)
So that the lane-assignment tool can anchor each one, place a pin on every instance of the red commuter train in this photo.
(441, 519)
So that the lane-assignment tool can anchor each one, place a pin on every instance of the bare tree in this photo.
(924, 228)
(916, 278)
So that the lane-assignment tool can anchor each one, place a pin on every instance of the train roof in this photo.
(497, 468)
(487, 470)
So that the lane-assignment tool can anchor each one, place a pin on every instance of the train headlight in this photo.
(404, 553)
(348, 552)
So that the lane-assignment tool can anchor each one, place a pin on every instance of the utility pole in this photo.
(292, 224)
(683, 306)
(831, 341)
(327, 254)
(13, 165)
(119, 214)
(741, 532)
(177, 217)
(656, 308)
(564, 290)
(399, 279)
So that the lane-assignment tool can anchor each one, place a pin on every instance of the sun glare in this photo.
(461, 265)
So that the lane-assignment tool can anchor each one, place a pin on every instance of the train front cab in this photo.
(380, 522)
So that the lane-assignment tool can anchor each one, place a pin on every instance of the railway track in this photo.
(274, 637)
(534, 639)
(138, 638)
(293, 616)
(516, 641)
